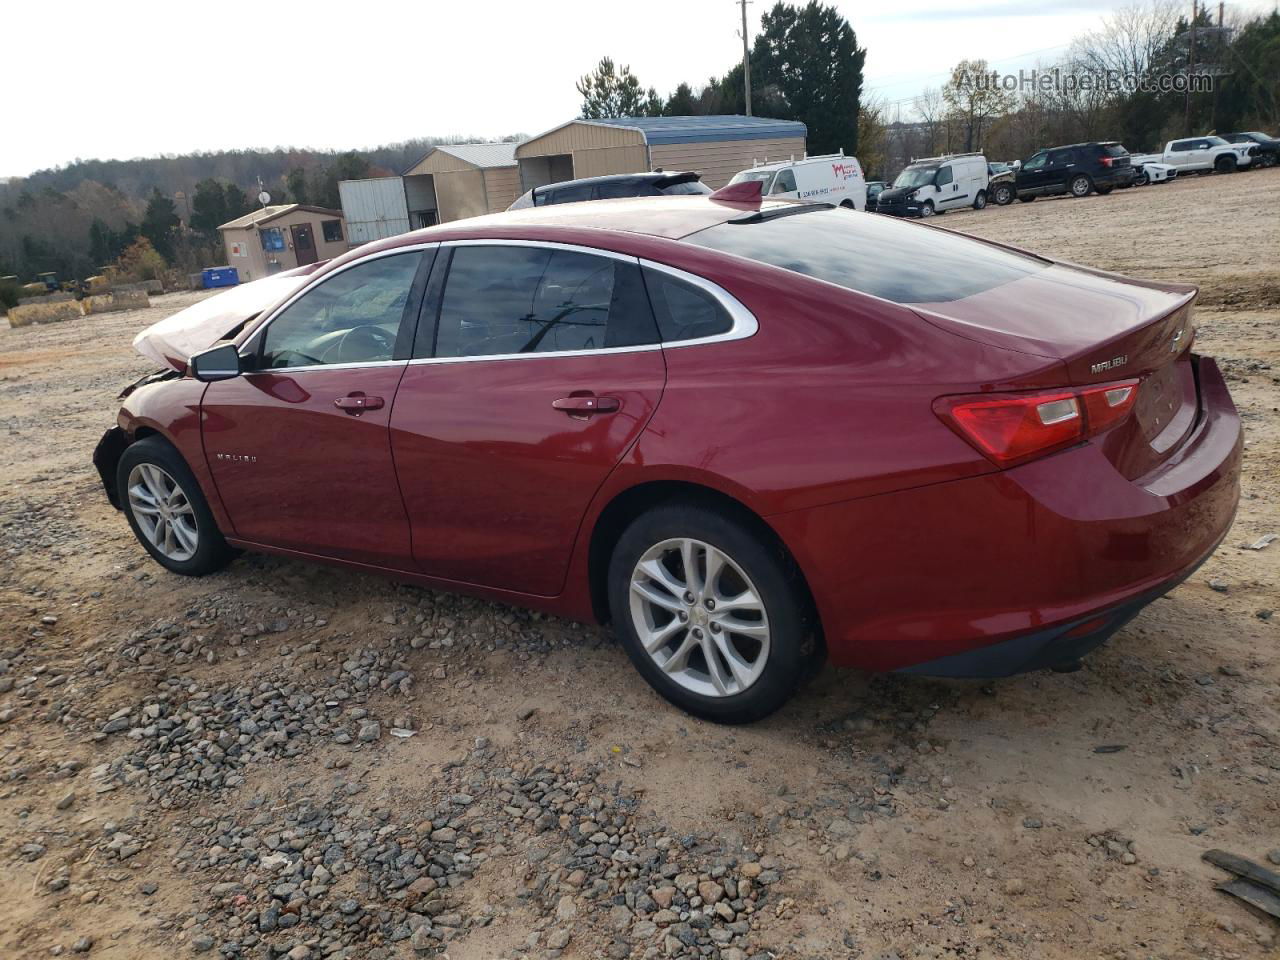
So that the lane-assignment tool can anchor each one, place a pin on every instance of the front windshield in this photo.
(916, 177)
(764, 177)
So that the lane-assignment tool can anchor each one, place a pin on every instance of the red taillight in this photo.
(1011, 428)
(1106, 161)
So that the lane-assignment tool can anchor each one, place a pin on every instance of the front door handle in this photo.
(357, 403)
(582, 407)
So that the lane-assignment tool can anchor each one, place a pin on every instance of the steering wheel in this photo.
(366, 342)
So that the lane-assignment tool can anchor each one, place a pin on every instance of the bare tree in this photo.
(931, 109)
(974, 96)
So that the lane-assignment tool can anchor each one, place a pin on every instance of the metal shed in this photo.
(457, 180)
(717, 146)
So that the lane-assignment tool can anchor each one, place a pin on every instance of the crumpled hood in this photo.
(893, 193)
(175, 339)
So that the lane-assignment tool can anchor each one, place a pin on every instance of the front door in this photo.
(304, 243)
(299, 447)
(519, 406)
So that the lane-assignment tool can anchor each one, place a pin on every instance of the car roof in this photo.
(669, 217)
(646, 176)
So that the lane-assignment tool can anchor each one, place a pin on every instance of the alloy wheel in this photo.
(163, 513)
(699, 617)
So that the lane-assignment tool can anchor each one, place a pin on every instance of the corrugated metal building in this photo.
(717, 146)
(282, 237)
(457, 180)
(374, 208)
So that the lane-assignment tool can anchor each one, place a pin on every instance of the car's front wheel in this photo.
(709, 613)
(1142, 179)
(926, 209)
(1225, 164)
(1003, 194)
(167, 511)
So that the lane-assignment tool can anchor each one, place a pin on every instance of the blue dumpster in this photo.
(220, 277)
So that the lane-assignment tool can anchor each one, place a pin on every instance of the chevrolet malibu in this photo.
(753, 435)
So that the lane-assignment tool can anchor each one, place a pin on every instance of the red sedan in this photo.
(749, 434)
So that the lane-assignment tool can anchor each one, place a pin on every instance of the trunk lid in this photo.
(1104, 329)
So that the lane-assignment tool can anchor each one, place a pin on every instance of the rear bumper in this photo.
(1020, 568)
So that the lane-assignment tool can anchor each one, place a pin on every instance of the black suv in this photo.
(1077, 169)
(655, 184)
(1265, 154)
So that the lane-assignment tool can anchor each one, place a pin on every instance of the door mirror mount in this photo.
(216, 363)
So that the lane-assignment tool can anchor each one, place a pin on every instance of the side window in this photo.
(684, 311)
(1202, 144)
(1181, 146)
(581, 191)
(502, 300)
(1036, 162)
(785, 182)
(943, 177)
(332, 230)
(353, 317)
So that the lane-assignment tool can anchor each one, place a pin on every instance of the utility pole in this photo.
(746, 56)
(1191, 70)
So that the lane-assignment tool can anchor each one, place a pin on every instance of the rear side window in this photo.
(513, 299)
(881, 256)
(684, 311)
(574, 194)
(1182, 145)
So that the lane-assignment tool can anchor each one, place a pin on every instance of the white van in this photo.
(832, 179)
(936, 185)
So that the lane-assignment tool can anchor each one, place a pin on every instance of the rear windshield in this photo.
(1114, 150)
(887, 258)
(688, 187)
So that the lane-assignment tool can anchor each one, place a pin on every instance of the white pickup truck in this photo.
(1200, 154)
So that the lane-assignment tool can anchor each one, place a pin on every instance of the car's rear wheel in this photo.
(709, 613)
(1225, 164)
(1080, 185)
(1003, 194)
(167, 511)
(980, 200)
(1103, 191)
(1026, 199)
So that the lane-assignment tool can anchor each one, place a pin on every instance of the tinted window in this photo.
(688, 187)
(573, 194)
(876, 255)
(785, 182)
(507, 299)
(625, 188)
(332, 230)
(683, 311)
(1036, 162)
(1059, 158)
(1114, 150)
(944, 176)
(353, 317)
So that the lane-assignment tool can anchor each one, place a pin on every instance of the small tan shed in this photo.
(716, 146)
(457, 180)
(282, 237)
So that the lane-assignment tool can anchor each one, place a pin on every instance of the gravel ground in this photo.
(287, 760)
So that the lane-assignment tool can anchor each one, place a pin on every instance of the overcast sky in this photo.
(142, 78)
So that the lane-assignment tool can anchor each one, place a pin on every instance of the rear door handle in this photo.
(585, 406)
(357, 403)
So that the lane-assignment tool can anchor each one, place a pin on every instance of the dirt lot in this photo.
(220, 766)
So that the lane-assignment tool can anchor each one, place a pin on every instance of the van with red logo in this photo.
(833, 178)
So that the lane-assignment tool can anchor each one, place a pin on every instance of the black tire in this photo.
(1026, 199)
(1142, 179)
(847, 204)
(927, 209)
(790, 625)
(211, 551)
(980, 200)
(1103, 191)
(1225, 164)
(1004, 194)
(1080, 185)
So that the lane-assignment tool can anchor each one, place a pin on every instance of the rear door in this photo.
(536, 368)
(298, 447)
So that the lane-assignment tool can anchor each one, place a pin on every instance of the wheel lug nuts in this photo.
(715, 627)
(684, 617)
(711, 604)
(697, 634)
(689, 598)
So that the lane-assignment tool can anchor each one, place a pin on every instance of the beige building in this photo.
(282, 237)
(716, 146)
(457, 180)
